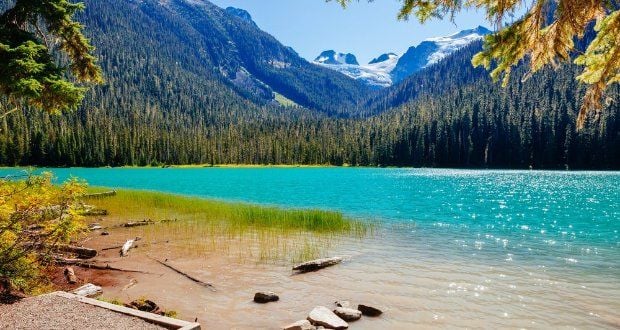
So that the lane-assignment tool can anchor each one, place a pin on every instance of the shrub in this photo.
(35, 216)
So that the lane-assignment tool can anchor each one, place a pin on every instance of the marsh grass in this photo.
(196, 226)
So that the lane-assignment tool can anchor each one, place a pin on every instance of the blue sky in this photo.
(364, 29)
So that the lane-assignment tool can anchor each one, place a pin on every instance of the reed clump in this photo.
(197, 226)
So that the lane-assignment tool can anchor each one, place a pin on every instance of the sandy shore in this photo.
(235, 279)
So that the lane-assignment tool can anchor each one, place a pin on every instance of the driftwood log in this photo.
(70, 275)
(137, 223)
(80, 252)
(101, 194)
(315, 265)
(82, 264)
(205, 284)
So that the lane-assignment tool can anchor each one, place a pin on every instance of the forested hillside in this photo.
(178, 92)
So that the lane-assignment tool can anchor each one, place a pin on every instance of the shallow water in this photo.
(458, 248)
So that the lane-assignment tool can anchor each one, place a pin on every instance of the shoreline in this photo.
(284, 166)
(427, 276)
(179, 241)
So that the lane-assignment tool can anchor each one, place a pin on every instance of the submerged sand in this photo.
(414, 287)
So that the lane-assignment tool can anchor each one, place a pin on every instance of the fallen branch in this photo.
(205, 284)
(132, 282)
(80, 263)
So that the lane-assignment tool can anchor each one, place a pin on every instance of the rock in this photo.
(300, 325)
(265, 297)
(88, 290)
(369, 311)
(315, 265)
(105, 233)
(343, 303)
(145, 305)
(348, 314)
(322, 316)
(95, 226)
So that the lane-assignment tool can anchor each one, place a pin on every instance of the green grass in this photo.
(284, 101)
(240, 229)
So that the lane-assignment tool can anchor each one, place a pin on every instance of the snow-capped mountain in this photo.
(433, 50)
(331, 57)
(375, 74)
(390, 68)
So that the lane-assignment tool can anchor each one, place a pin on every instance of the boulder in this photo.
(265, 297)
(343, 303)
(348, 314)
(369, 310)
(300, 325)
(88, 290)
(322, 316)
(315, 265)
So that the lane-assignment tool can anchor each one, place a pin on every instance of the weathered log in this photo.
(88, 290)
(205, 284)
(101, 194)
(137, 223)
(81, 252)
(315, 265)
(70, 275)
(94, 212)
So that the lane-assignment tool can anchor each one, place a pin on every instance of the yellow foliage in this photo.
(35, 213)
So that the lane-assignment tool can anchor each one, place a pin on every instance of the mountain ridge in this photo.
(428, 52)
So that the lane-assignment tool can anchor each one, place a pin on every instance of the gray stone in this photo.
(265, 297)
(300, 325)
(369, 310)
(348, 314)
(322, 316)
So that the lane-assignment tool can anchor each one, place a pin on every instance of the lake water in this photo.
(458, 247)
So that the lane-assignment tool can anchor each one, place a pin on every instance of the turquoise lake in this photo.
(550, 227)
(571, 216)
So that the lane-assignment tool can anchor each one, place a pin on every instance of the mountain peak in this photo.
(332, 57)
(241, 13)
(433, 50)
(383, 58)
